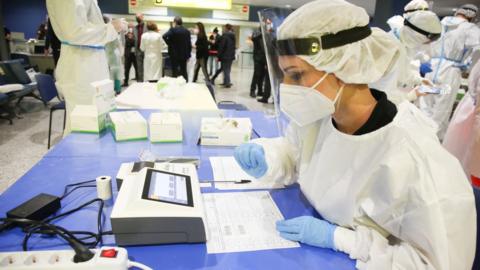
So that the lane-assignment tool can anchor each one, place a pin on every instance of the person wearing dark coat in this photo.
(201, 46)
(179, 42)
(52, 41)
(226, 55)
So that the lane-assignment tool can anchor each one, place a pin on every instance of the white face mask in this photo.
(305, 105)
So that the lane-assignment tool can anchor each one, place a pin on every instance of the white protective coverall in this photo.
(80, 24)
(405, 75)
(450, 54)
(463, 134)
(402, 201)
(152, 45)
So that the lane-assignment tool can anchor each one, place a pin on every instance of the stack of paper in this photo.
(128, 125)
(242, 221)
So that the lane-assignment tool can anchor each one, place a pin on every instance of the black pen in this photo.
(243, 181)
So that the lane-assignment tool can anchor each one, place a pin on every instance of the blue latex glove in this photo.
(308, 230)
(251, 158)
(425, 68)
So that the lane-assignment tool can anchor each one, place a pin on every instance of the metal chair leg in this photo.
(49, 129)
(64, 118)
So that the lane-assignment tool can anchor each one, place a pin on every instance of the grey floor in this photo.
(25, 142)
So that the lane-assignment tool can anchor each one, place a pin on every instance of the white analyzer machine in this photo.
(159, 206)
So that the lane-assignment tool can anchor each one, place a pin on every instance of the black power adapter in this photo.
(37, 208)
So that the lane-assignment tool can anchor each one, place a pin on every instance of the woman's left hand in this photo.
(308, 230)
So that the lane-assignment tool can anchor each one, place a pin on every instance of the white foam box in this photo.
(165, 127)
(86, 119)
(128, 126)
(225, 131)
(104, 97)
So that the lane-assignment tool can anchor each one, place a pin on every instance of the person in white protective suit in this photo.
(80, 27)
(451, 55)
(392, 197)
(115, 51)
(463, 134)
(152, 45)
(414, 30)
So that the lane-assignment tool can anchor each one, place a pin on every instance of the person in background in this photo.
(451, 55)
(152, 46)
(41, 32)
(259, 64)
(462, 138)
(80, 27)
(8, 38)
(226, 55)
(202, 52)
(213, 41)
(114, 51)
(178, 40)
(138, 31)
(52, 42)
(386, 191)
(129, 56)
(417, 28)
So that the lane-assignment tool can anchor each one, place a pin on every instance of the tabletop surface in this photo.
(81, 157)
(190, 97)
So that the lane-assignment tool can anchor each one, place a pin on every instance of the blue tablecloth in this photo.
(81, 157)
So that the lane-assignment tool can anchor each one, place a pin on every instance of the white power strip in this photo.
(106, 258)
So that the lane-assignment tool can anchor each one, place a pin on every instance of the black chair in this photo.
(48, 91)
(25, 60)
(4, 100)
(15, 74)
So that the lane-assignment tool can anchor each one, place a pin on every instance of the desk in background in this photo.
(193, 97)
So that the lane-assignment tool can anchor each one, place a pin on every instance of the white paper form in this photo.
(242, 221)
(227, 169)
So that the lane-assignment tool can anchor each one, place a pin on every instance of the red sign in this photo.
(245, 8)
(133, 3)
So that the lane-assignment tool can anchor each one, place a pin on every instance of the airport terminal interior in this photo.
(240, 134)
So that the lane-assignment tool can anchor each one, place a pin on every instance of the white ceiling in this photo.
(441, 7)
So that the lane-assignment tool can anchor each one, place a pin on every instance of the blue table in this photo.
(77, 158)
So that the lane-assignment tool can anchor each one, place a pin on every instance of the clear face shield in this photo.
(270, 20)
(299, 96)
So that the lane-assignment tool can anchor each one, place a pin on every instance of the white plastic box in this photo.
(225, 131)
(104, 96)
(86, 119)
(165, 128)
(128, 126)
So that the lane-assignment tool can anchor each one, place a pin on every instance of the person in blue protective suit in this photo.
(391, 196)
(80, 27)
(451, 55)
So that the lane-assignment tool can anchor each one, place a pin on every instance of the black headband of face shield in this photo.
(311, 46)
(470, 9)
(413, 10)
(430, 36)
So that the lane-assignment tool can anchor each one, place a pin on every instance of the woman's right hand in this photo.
(251, 157)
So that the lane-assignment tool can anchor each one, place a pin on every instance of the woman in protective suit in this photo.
(389, 194)
(80, 27)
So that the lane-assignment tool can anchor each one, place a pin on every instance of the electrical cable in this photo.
(138, 265)
(75, 184)
(78, 240)
(73, 189)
